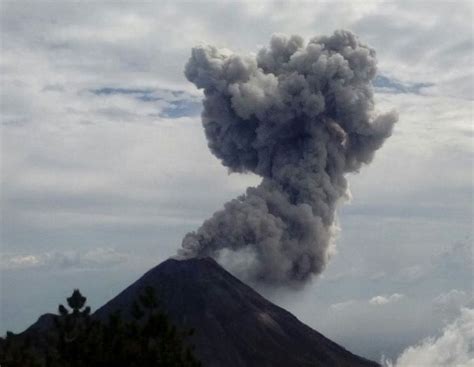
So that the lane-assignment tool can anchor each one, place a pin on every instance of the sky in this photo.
(105, 166)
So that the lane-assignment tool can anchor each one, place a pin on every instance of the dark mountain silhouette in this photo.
(44, 323)
(234, 325)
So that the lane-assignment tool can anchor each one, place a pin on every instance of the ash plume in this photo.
(301, 115)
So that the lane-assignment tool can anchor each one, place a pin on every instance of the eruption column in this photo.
(301, 116)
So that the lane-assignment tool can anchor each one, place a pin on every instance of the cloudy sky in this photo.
(104, 164)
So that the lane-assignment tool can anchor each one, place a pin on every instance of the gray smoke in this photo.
(301, 116)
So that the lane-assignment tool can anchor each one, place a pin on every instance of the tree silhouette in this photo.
(78, 340)
(75, 335)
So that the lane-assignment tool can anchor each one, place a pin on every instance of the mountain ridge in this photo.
(234, 325)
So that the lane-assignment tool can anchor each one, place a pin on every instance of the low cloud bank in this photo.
(455, 346)
(383, 300)
(90, 259)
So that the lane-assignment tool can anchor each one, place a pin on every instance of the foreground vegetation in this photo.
(76, 339)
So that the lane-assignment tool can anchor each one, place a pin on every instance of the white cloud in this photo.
(375, 301)
(19, 261)
(90, 259)
(383, 300)
(342, 305)
(453, 348)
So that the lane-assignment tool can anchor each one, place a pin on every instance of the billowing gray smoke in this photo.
(301, 116)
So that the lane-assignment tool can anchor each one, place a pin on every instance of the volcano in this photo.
(234, 325)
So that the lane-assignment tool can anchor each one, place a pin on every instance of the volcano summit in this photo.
(234, 325)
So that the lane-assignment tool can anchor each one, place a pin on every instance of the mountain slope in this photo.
(234, 325)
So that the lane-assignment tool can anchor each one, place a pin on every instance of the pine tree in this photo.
(77, 340)
(75, 331)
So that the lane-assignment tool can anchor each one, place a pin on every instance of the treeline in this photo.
(77, 340)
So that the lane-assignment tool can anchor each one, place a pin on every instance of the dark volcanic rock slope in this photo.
(234, 325)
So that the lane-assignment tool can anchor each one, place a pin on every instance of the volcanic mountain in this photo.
(234, 325)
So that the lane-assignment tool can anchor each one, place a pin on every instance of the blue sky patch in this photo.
(180, 103)
(383, 83)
